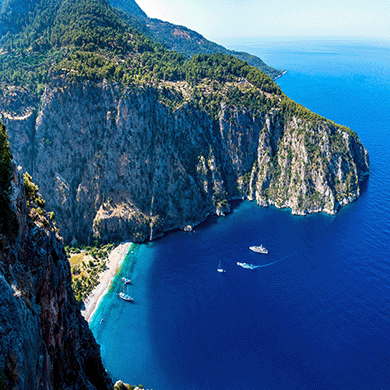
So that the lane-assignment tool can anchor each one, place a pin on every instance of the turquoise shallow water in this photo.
(318, 318)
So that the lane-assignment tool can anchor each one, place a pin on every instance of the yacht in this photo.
(258, 249)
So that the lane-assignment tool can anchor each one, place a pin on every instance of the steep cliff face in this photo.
(44, 341)
(309, 169)
(118, 163)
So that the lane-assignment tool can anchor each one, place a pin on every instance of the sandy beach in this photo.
(115, 259)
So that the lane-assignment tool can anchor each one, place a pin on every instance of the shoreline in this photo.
(283, 73)
(115, 259)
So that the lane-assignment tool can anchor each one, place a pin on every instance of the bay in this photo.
(317, 318)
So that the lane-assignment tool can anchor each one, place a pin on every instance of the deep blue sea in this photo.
(317, 319)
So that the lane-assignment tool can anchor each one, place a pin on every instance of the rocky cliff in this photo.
(44, 341)
(127, 139)
(117, 162)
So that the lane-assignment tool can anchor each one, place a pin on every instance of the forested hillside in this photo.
(183, 39)
(97, 45)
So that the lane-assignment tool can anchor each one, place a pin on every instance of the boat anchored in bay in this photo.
(126, 297)
(258, 249)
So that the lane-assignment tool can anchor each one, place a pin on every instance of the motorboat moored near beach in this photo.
(126, 280)
(126, 297)
(258, 249)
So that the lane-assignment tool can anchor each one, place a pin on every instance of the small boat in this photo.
(220, 269)
(258, 249)
(126, 280)
(126, 297)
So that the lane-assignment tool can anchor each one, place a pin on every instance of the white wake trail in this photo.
(252, 266)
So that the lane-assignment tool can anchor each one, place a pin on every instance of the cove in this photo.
(318, 316)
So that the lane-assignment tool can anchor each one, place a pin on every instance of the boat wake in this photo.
(251, 266)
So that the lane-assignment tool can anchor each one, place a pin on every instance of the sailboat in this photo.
(220, 269)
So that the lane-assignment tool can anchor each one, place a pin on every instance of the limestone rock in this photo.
(45, 343)
(164, 168)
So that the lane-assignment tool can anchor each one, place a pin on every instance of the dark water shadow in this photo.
(364, 185)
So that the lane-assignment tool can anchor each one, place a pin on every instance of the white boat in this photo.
(220, 269)
(126, 280)
(126, 297)
(247, 266)
(258, 249)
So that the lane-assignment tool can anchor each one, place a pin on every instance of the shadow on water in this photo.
(364, 185)
(209, 221)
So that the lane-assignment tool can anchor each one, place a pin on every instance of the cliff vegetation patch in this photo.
(8, 222)
(87, 263)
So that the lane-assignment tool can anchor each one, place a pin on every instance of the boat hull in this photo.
(258, 249)
(126, 297)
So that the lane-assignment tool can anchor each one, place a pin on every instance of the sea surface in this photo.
(316, 313)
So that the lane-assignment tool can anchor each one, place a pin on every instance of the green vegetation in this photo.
(243, 184)
(182, 39)
(36, 206)
(5, 165)
(60, 23)
(47, 33)
(33, 194)
(123, 386)
(87, 264)
(119, 385)
(90, 40)
(290, 108)
(8, 221)
(220, 200)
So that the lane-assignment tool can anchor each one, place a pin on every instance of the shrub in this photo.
(40, 201)
(8, 221)
(30, 187)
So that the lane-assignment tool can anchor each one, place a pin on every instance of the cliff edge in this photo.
(45, 343)
(120, 164)
(127, 139)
